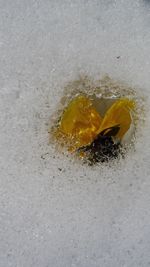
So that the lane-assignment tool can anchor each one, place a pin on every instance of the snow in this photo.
(53, 211)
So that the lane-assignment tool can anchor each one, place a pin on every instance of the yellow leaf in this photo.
(118, 115)
(80, 121)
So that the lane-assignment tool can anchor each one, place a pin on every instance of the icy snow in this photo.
(55, 212)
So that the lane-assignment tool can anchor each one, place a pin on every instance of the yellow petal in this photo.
(118, 115)
(80, 121)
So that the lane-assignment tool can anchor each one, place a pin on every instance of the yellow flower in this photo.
(81, 123)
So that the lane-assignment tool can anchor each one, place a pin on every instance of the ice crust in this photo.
(54, 212)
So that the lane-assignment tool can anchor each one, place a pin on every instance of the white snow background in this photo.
(54, 212)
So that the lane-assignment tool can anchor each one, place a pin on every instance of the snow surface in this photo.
(55, 212)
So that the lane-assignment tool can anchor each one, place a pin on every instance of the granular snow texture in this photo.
(55, 212)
